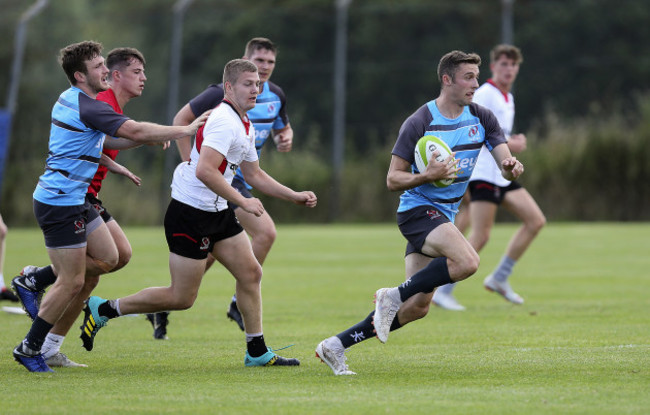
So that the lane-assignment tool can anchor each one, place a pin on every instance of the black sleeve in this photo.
(410, 132)
(99, 115)
(207, 99)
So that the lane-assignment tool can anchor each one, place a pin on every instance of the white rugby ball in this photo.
(423, 151)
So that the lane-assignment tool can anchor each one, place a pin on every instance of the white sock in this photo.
(504, 269)
(2, 281)
(51, 345)
(446, 289)
(250, 336)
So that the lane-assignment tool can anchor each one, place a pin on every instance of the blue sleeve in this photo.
(100, 116)
(207, 99)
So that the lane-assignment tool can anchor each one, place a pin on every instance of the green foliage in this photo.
(594, 168)
(578, 345)
(583, 59)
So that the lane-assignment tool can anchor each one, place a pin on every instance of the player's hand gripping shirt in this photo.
(226, 132)
(269, 113)
(503, 107)
(79, 126)
(466, 135)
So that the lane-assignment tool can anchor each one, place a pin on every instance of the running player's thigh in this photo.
(119, 237)
(521, 204)
(236, 254)
(186, 273)
(447, 241)
(69, 262)
(101, 245)
(482, 215)
(255, 225)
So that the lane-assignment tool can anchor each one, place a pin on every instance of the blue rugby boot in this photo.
(92, 321)
(33, 363)
(30, 299)
(269, 359)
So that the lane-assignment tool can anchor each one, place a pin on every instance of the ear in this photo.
(116, 74)
(80, 77)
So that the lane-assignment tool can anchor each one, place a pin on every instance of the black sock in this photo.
(426, 280)
(37, 333)
(256, 346)
(41, 278)
(363, 330)
(108, 309)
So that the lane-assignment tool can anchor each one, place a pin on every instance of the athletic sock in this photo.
(446, 289)
(108, 309)
(51, 345)
(255, 344)
(363, 330)
(426, 280)
(37, 333)
(41, 278)
(504, 269)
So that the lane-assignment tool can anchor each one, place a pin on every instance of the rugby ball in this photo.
(423, 151)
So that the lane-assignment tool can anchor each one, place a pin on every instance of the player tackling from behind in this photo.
(489, 190)
(199, 221)
(437, 253)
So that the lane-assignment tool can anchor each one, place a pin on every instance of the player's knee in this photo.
(106, 264)
(468, 266)
(123, 258)
(537, 223)
(267, 237)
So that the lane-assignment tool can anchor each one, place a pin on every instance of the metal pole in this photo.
(6, 115)
(507, 21)
(338, 144)
(172, 90)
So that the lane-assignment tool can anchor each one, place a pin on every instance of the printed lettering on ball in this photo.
(423, 151)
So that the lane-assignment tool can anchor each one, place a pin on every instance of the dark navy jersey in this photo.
(269, 113)
(466, 135)
(79, 126)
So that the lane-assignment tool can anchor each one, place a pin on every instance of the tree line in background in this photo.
(582, 93)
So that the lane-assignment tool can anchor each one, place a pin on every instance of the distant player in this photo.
(5, 293)
(436, 252)
(489, 189)
(199, 221)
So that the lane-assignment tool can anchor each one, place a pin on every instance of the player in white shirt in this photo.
(199, 221)
(488, 188)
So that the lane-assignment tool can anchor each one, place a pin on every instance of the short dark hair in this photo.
(235, 68)
(120, 58)
(450, 62)
(73, 57)
(510, 51)
(258, 43)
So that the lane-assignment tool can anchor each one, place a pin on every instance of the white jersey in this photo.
(229, 134)
(503, 107)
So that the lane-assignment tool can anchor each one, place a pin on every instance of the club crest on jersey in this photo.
(271, 108)
(473, 134)
(79, 226)
(205, 243)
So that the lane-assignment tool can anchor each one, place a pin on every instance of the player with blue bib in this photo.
(437, 253)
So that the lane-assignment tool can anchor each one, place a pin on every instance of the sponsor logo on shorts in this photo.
(205, 243)
(79, 226)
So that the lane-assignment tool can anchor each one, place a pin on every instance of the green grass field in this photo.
(579, 345)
